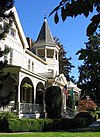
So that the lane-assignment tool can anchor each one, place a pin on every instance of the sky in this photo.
(71, 33)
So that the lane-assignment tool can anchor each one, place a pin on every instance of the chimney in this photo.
(29, 40)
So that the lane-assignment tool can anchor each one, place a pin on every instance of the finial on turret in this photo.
(45, 18)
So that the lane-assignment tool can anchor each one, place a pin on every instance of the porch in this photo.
(27, 110)
(32, 110)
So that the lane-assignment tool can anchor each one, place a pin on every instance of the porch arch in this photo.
(27, 91)
(7, 91)
(40, 93)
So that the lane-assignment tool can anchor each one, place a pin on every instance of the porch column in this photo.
(44, 100)
(54, 54)
(19, 95)
(44, 103)
(45, 53)
(34, 97)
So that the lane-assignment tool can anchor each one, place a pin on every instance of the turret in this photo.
(46, 48)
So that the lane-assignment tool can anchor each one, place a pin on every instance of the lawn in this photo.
(53, 134)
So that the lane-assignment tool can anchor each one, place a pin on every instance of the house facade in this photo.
(32, 70)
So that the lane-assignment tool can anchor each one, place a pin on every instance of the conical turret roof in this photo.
(45, 37)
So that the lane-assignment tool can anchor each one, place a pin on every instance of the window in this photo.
(50, 53)
(6, 55)
(5, 58)
(32, 66)
(50, 71)
(56, 55)
(41, 53)
(11, 56)
(12, 32)
(29, 62)
(1, 26)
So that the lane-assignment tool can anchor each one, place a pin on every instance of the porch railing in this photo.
(68, 113)
(26, 108)
(12, 107)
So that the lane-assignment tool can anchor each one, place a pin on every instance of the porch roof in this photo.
(15, 69)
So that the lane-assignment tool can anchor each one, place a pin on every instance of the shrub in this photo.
(86, 105)
(4, 117)
(94, 115)
(23, 125)
(81, 122)
(65, 124)
(33, 125)
(7, 115)
(41, 123)
(48, 124)
(85, 115)
(13, 125)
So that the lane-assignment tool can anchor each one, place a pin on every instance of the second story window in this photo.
(12, 32)
(6, 55)
(1, 26)
(32, 66)
(29, 62)
(11, 56)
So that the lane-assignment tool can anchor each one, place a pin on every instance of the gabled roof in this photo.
(45, 37)
(20, 29)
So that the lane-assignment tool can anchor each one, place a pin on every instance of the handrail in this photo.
(68, 112)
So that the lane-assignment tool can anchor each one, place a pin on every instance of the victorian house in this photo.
(31, 70)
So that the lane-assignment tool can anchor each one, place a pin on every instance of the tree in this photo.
(65, 66)
(53, 101)
(8, 18)
(73, 8)
(4, 16)
(89, 72)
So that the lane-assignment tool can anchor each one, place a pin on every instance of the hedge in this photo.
(24, 125)
(33, 125)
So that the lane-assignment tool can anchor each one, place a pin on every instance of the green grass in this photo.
(53, 134)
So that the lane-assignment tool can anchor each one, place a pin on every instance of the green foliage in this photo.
(85, 115)
(89, 72)
(4, 117)
(26, 86)
(94, 115)
(8, 19)
(34, 125)
(65, 65)
(98, 112)
(21, 125)
(94, 24)
(74, 8)
(5, 6)
(48, 124)
(7, 115)
(53, 101)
